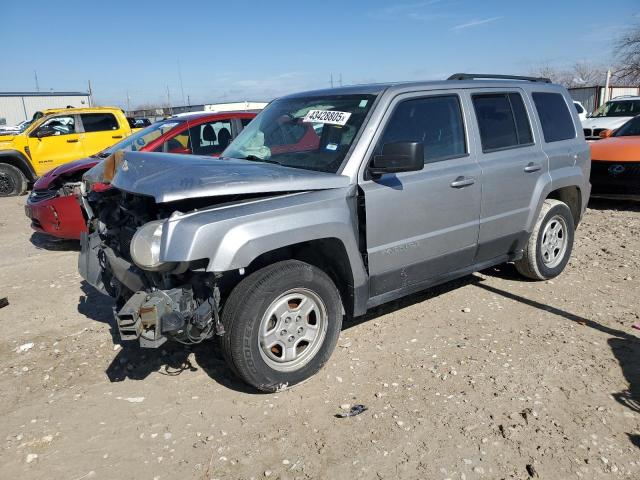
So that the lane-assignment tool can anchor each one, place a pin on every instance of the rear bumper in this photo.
(59, 216)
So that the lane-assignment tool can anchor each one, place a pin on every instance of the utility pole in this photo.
(128, 103)
(340, 81)
(180, 77)
(90, 94)
(188, 100)
(332, 80)
(169, 101)
(35, 74)
(606, 86)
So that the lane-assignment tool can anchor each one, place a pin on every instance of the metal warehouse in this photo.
(18, 106)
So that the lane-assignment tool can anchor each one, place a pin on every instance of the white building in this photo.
(592, 97)
(18, 106)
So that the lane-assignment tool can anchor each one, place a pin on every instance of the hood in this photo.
(7, 136)
(616, 149)
(44, 182)
(605, 122)
(171, 177)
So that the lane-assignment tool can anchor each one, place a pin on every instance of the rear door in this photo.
(61, 147)
(512, 163)
(101, 130)
(421, 225)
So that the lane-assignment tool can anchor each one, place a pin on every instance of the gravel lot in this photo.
(486, 377)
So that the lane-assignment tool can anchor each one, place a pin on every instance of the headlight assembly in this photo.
(145, 246)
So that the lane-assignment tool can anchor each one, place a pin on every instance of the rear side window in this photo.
(557, 124)
(503, 121)
(99, 122)
(434, 121)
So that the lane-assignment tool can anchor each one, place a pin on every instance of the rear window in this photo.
(557, 124)
(503, 121)
(99, 122)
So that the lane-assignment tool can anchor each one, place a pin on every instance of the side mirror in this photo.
(606, 133)
(45, 131)
(398, 157)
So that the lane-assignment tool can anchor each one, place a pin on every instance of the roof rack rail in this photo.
(474, 76)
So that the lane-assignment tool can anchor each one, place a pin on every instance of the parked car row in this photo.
(263, 231)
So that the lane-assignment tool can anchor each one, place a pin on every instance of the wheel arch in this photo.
(20, 161)
(328, 254)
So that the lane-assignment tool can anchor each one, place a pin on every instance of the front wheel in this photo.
(281, 325)
(549, 248)
(12, 181)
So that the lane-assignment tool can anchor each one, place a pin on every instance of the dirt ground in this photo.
(486, 377)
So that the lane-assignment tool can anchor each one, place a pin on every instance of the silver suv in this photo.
(332, 202)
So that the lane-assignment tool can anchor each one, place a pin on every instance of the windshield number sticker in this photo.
(331, 117)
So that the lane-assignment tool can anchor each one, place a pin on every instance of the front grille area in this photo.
(613, 178)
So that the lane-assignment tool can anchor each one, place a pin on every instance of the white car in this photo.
(582, 113)
(610, 116)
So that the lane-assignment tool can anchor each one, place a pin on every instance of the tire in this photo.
(12, 181)
(304, 303)
(547, 253)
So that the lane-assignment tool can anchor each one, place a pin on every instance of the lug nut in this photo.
(291, 338)
(300, 329)
(283, 333)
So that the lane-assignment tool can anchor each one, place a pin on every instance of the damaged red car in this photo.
(52, 205)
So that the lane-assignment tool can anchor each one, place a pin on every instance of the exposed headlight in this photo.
(145, 246)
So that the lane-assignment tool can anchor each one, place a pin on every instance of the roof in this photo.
(44, 94)
(377, 88)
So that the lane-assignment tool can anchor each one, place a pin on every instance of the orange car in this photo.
(615, 162)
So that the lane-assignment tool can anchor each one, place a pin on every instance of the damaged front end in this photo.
(173, 300)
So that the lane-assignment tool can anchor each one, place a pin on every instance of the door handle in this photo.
(463, 182)
(116, 136)
(532, 167)
(72, 141)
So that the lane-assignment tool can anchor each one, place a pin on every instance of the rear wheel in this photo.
(282, 324)
(12, 181)
(549, 248)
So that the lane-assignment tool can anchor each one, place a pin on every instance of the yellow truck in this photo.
(58, 137)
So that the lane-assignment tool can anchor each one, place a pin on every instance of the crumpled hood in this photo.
(44, 182)
(169, 177)
(605, 122)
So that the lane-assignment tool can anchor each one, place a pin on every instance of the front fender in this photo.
(231, 237)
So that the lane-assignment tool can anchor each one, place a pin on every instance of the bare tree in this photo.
(585, 74)
(628, 53)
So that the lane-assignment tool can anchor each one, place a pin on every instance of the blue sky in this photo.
(254, 50)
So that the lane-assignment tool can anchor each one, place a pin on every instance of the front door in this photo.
(61, 144)
(422, 225)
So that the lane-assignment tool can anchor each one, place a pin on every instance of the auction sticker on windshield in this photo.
(332, 117)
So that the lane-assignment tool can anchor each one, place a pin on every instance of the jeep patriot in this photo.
(332, 202)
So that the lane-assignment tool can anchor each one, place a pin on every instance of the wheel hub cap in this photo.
(554, 241)
(6, 184)
(292, 329)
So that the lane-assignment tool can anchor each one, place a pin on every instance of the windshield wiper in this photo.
(254, 158)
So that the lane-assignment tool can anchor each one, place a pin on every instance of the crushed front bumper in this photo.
(55, 215)
(146, 313)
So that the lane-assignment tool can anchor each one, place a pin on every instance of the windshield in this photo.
(313, 133)
(139, 139)
(629, 129)
(618, 108)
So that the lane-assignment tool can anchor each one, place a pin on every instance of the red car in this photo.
(52, 205)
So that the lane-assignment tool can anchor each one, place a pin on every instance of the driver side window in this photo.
(436, 122)
(63, 125)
